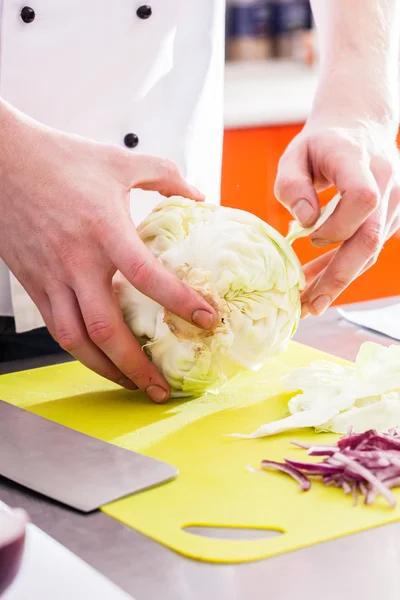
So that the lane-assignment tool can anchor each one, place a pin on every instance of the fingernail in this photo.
(203, 319)
(156, 393)
(303, 211)
(320, 243)
(127, 383)
(304, 311)
(321, 303)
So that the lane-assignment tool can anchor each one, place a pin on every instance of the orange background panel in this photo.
(250, 164)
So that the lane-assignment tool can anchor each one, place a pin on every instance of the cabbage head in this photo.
(247, 271)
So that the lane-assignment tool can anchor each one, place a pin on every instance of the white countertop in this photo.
(268, 93)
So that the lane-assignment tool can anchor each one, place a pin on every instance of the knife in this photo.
(71, 467)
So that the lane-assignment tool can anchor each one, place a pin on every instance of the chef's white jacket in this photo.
(105, 70)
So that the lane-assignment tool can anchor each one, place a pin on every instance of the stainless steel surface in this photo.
(70, 467)
(365, 565)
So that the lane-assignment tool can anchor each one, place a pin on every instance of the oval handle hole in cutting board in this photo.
(223, 532)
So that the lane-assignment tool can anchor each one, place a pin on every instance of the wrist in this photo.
(12, 120)
(348, 92)
(8, 118)
(12, 124)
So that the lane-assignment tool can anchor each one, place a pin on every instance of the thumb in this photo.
(159, 175)
(294, 187)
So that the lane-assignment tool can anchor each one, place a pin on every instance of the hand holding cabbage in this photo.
(65, 246)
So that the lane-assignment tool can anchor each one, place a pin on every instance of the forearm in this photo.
(10, 117)
(359, 48)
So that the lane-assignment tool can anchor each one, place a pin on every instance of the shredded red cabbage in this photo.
(364, 465)
(304, 482)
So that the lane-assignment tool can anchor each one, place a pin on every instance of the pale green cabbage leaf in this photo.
(335, 398)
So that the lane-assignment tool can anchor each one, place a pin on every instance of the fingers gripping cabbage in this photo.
(242, 266)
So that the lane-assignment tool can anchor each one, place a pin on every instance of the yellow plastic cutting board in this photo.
(214, 486)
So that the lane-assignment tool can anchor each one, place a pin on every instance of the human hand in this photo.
(359, 157)
(66, 229)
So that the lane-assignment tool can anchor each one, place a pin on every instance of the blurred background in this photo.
(270, 80)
